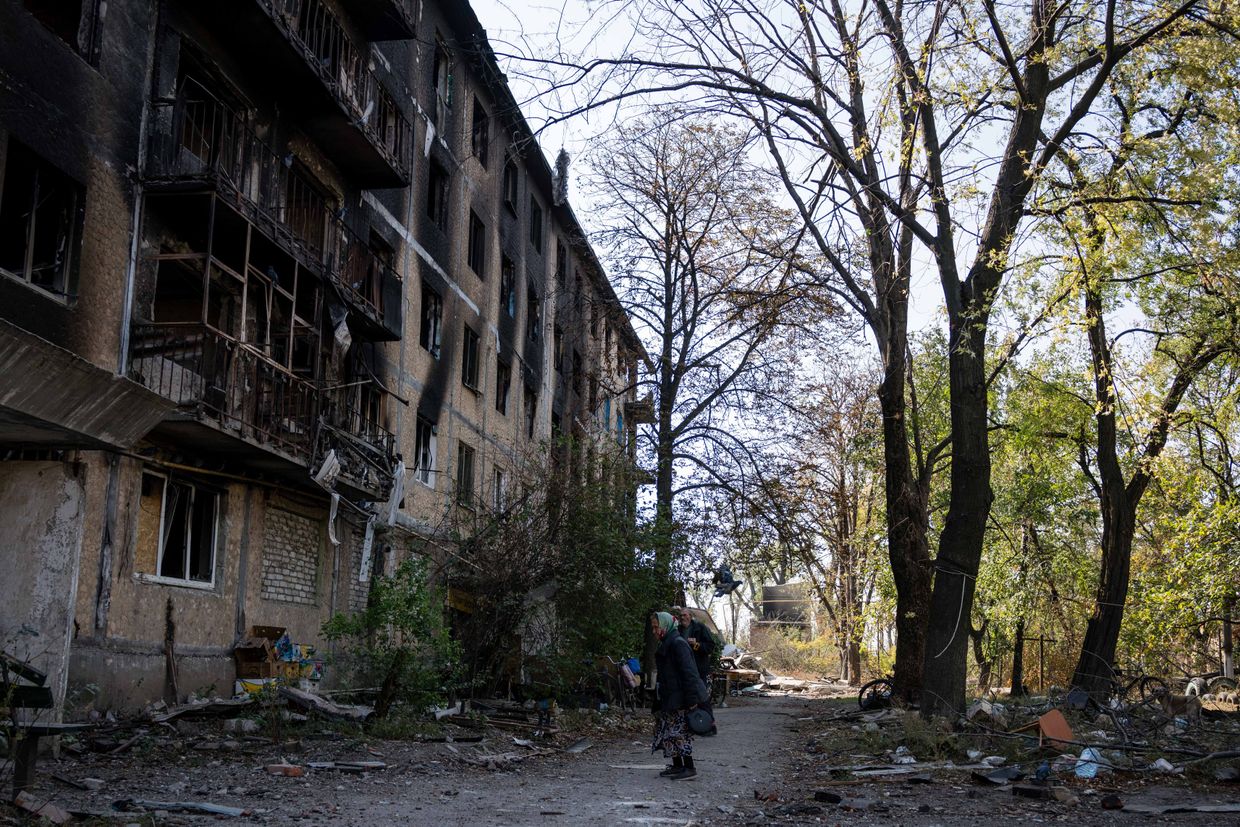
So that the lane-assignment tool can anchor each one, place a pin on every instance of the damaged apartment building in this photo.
(287, 291)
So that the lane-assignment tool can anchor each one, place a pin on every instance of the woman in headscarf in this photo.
(678, 689)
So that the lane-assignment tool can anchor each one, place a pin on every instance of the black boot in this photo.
(687, 772)
(677, 766)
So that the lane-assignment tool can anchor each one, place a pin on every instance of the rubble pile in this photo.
(1044, 758)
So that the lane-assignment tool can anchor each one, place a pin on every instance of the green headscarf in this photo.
(666, 621)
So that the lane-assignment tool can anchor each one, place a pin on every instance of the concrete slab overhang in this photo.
(51, 397)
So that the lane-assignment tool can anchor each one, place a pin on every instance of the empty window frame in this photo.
(480, 133)
(533, 316)
(477, 252)
(557, 349)
(561, 264)
(465, 475)
(536, 224)
(77, 22)
(432, 319)
(185, 519)
(41, 212)
(306, 208)
(531, 410)
(469, 359)
(437, 186)
(508, 287)
(503, 381)
(424, 451)
(578, 372)
(511, 186)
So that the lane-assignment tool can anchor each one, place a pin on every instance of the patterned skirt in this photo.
(672, 735)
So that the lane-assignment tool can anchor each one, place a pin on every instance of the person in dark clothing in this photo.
(678, 689)
(700, 640)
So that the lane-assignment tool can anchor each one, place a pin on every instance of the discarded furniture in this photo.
(24, 687)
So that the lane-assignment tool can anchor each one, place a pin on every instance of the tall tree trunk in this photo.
(978, 636)
(854, 660)
(1229, 664)
(960, 544)
(1018, 661)
(1096, 664)
(907, 545)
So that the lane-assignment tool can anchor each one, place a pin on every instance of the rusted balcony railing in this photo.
(235, 386)
(313, 28)
(198, 136)
(357, 409)
(227, 382)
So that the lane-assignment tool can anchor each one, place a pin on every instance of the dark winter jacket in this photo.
(706, 646)
(679, 684)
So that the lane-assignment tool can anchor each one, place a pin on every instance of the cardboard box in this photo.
(255, 658)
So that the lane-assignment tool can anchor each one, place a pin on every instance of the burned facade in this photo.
(286, 292)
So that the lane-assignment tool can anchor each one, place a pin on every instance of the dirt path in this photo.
(615, 783)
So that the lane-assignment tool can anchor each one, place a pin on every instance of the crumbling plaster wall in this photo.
(123, 663)
(40, 544)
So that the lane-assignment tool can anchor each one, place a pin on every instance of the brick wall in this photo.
(290, 557)
(358, 590)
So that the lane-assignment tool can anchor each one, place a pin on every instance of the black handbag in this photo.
(700, 720)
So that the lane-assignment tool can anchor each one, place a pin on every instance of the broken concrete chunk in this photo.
(242, 726)
(42, 809)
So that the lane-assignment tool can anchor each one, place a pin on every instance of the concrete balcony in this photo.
(301, 53)
(233, 401)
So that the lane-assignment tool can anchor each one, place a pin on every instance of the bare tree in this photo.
(709, 272)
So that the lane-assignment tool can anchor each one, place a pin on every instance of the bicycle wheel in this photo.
(1151, 687)
(875, 695)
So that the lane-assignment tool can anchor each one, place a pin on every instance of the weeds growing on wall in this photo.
(399, 642)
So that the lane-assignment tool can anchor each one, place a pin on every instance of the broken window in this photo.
(76, 22)
(480, 134)
(477, 252)
(441, 80)
(41, 212)
(437, 196)
(557, 349)
(536, 224)
(503, 379)
(469, 359)
(465, 475)
(177, 529)
(424, 451)
(510, 185)
(432, 316)
(577, 373)
(508, 287)
(533, 316)
(499, 489)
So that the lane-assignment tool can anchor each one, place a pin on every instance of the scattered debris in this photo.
(137, 805)
(322, 706)
(347, 766)
(287, 770)
(578, 747)
(42, 809)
